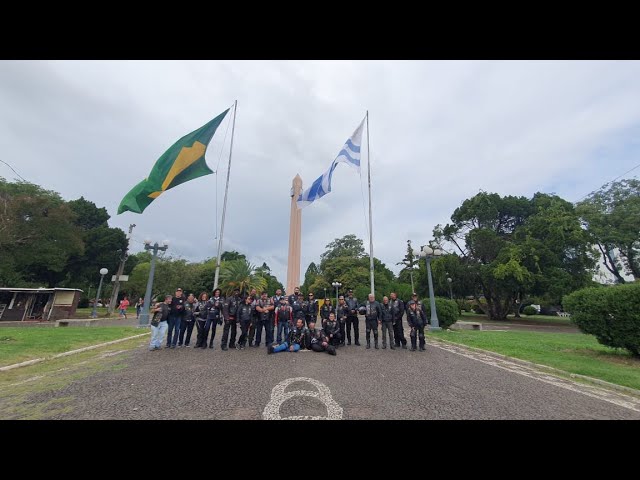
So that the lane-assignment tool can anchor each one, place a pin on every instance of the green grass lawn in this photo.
(571, 352)
(18, 344)
(541, 319)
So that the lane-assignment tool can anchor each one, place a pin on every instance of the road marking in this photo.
(279, 396)
(616, 398)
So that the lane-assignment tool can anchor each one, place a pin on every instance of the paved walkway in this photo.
(446, 382)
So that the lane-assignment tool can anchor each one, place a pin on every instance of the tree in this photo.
(88, 215)
(310, 277)
(233, 255)
(272, 282)
(240, 274)
(169, 274)
(410, 262)
(347, 246)
(612, 218)
(104, 247)
(37, 235)
(511, 245)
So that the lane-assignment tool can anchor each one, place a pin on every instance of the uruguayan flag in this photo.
(350, 154)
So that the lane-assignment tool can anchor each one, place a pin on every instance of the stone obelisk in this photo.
(295, 234)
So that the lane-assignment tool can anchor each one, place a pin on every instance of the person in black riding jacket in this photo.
(230, 321)
(244, 316)
(417, 320)
(387, 323)
(317, 341)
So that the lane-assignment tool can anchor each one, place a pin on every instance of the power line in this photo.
(14, 171)
(611, 181)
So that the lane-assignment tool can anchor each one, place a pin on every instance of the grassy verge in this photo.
(30, 392)
(574, 353)
(525, 319)
(21, 344)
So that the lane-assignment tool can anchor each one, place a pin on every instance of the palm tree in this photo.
(242, 275)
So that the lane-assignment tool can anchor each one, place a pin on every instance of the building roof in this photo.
(39, 290)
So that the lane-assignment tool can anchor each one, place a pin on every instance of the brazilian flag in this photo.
(183, 161)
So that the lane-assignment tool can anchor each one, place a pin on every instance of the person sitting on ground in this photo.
(317, 341)
(331, 330)
(296, 339)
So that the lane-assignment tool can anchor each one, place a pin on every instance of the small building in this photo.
(39, 304)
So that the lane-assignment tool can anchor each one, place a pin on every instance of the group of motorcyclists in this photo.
(292, 318)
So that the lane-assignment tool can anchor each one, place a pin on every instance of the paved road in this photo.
(442, 383)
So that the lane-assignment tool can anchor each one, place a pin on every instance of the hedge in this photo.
(447, 310)
(611, 314)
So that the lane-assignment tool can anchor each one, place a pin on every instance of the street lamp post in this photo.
(428, 254)
(337, 285)
(144, 314)
(449, 279)
(94, 313)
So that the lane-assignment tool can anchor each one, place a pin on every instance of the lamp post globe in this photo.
(336, 285)
(94, 312)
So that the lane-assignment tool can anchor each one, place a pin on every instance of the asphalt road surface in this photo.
(445, 382)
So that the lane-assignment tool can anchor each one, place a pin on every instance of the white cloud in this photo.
(440, 132)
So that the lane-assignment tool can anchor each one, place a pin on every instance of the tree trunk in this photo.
(495, 308)
(609, 263)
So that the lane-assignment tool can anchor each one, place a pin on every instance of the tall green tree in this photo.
(310, 277)
(37, 235)
(345, 261)
(88, 215)
(512, 245)
(232, 255)
(612, 218)
(410, 263)
(272, 282)
(104, 245)
(347, 246)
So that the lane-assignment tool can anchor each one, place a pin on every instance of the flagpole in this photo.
(224, 205)
(370, 216)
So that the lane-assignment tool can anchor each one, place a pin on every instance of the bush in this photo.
(447, 310)
(529, 310)
(611, 314)
(83, 303)
(464, 305)
(477, 309)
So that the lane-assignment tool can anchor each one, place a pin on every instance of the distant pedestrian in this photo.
(124, 304)
(139, 305)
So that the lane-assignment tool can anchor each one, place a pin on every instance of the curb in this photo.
(596, 381)
(71, 352)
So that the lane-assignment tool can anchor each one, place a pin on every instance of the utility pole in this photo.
(116, 286)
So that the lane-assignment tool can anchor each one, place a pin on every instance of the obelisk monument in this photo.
(295, 234)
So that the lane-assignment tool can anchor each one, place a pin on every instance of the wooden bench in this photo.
(563, 314)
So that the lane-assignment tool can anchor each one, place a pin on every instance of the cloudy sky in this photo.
(440, 132)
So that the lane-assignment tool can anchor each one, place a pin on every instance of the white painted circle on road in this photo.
(279, 396)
